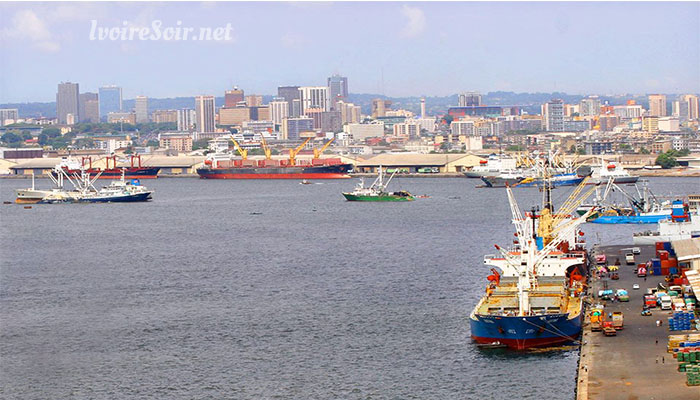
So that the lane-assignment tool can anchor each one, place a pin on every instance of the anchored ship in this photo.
(682, 224)
(134, 171)
(377, 191)
(534, 296)
(644, 208)
(227, 166)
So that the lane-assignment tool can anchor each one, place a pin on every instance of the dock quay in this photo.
(635, 363)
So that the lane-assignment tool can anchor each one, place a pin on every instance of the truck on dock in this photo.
(665, 302)
(650, 301)
(629, 258)
(609, 329)
(622, 295)
(618, 319)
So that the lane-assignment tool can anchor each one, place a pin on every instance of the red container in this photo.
(659, 246)
(673, 262)
(664, 271)
(662, 254)
(237, 163)
(665, 264)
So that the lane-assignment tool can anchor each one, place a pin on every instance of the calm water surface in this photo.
(193, 296)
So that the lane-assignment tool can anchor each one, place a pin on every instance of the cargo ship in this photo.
(535, 293)
(228, 166)
(111, 171)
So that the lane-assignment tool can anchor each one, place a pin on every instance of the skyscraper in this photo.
(314, 97)
(254, 100)
(657, 105)
(337, 89)
(67, 102)
(141, 109)
(279, 110)
(293, 127)
(589, 106)
(185, 119)
(553, 115)
(89, 107)
(8, 114)
(688, 107)
(205, 111)
(469, 99)
(289, 94)
(233, 97)
(110, 100)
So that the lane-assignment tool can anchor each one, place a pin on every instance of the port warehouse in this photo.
(414, 163)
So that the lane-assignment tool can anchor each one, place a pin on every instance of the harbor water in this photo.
(266, 289)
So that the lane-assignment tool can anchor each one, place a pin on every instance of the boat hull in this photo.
(630, 219)
(338, 171)
(353, 197)
(521, 333)
(620, 180)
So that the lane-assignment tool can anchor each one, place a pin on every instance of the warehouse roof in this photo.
(686, 249)
(413, 159)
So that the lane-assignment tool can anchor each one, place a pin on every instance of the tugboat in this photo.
(534, 296)
(377, 191)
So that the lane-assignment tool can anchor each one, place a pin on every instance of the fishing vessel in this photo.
(228, 166)
(534, 295)
(377, 191)
(682, 224)
(494, 165)
(33, 195)
(520, 180)
(644, 208)
(135, 170)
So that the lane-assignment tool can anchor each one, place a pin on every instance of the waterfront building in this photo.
(8, 116)
(110, 98)
(233, 97)
(469, 99)
(337, 89)
(67, 99)
(205, 113)
(141, 109)
(290, 94)
(657, 105)
(553, 115)
(186, 119)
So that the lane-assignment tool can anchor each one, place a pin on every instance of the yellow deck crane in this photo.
(318, 152)
(243, 152)
(293, 152)
(266, 149)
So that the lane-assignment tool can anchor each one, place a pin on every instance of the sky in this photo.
(390, 48)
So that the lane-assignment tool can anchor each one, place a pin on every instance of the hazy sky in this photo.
(418, 48)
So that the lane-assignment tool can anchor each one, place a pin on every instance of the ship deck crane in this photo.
(293, 152)
(266, 149)
(243, 152)
(318, 152)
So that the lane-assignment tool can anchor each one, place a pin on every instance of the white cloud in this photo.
(415, 24)
(26, 25)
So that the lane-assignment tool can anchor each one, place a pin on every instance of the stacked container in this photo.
(681, 321)
(686, 349)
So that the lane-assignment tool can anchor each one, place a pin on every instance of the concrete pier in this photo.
(634, 364)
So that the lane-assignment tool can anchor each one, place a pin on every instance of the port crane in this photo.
(293, 152)
(318, 152)
(266, 149)
(243, 152)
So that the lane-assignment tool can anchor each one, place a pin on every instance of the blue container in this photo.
(656, 262)
(668, 247)
(673, 270)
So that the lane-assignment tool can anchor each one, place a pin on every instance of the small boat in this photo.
(611, 169)
(377, 191)
(305, 182)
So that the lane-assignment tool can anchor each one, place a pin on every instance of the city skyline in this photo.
(409, 49)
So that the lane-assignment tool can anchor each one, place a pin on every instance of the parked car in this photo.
(635, 286)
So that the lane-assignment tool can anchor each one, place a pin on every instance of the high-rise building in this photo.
(379, 107)
(141, 109)
(110, 100)
(553, 115)
(313, 97)
(650, 124)
(657, 105)
(331, 121)
(293, 127)
(89, 107)
(205, 110)
(289, 94)
(254, 100)
(349, 113)
(686, 107)
(469, 99)
(164, 116)
(279, 110)
(67, 102)
(234, 116)
(589, 107)
(233, 97)
(186, 119)
(8, 114)
(337, 89)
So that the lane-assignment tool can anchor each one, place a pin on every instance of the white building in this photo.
(669, 124)
(314, 97)
(349, 113)
(8, 116)
(407, 129)
(629, 111)
(205, 113)
(473, 143)
(361, 132)
(279, 110)
(185, 119)
(112, 145)
(463, 127)
(141, 109)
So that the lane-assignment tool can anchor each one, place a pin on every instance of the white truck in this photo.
(666, 302)
(629, 258)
